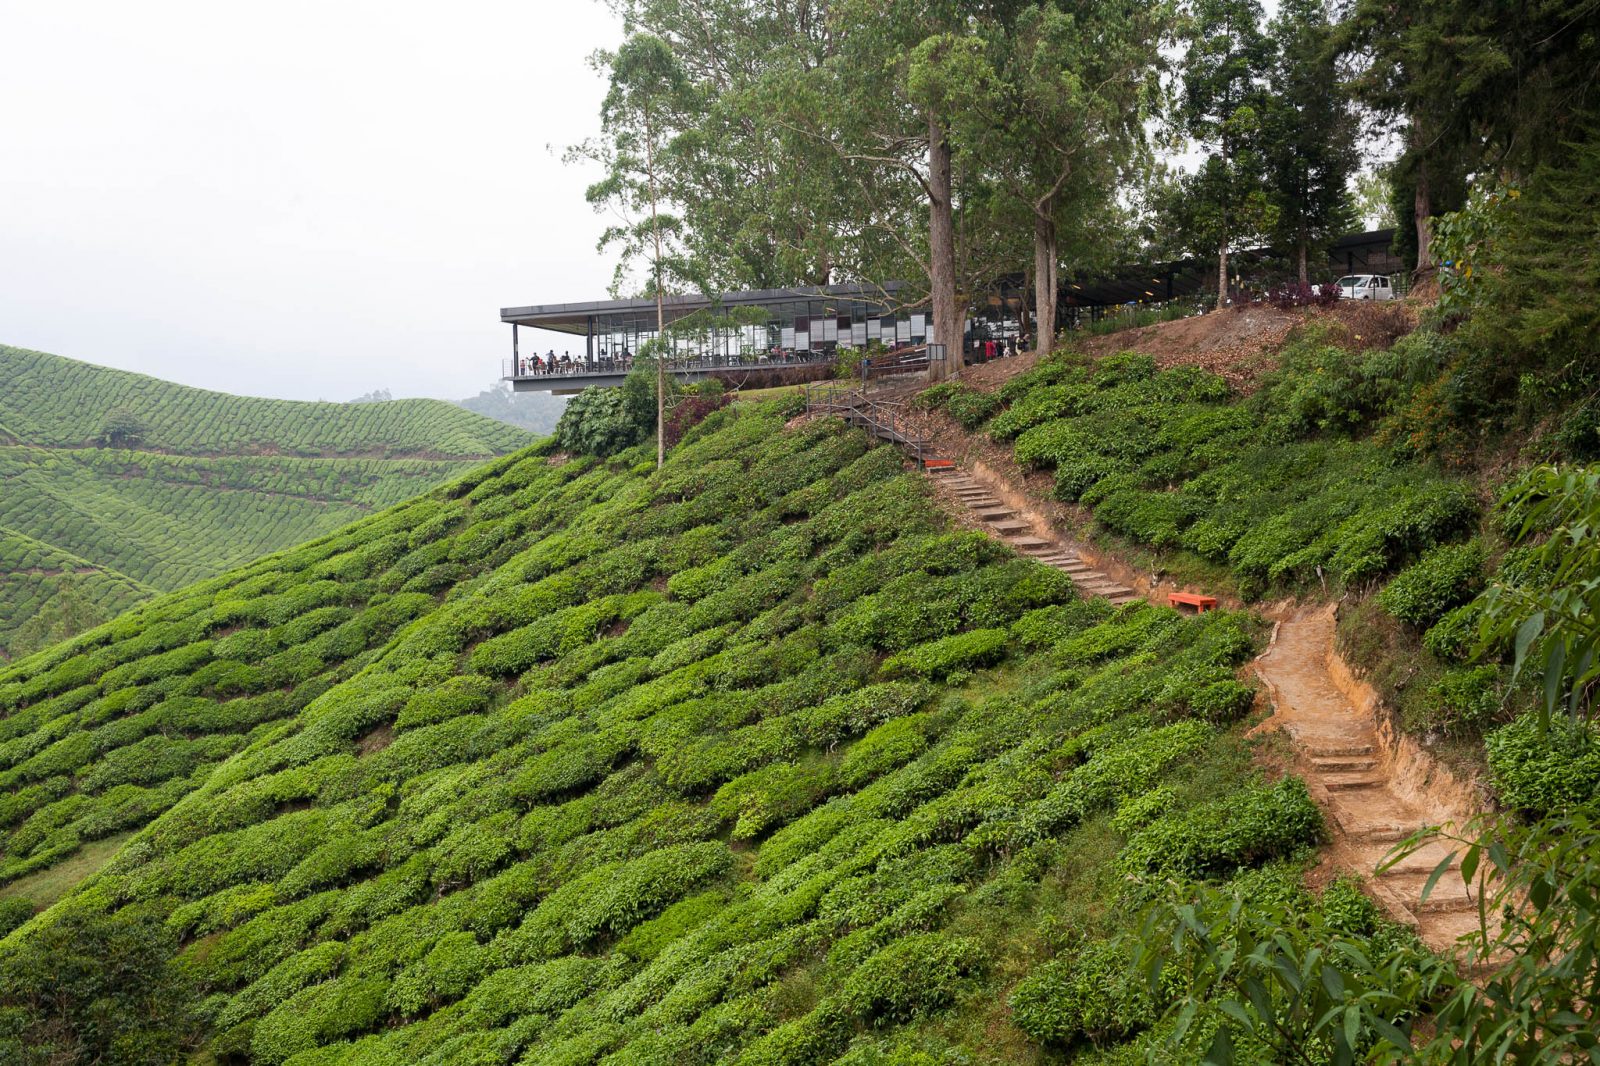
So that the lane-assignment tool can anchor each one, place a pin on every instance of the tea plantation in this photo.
(164, 484)
(752, 759)
(61, 403)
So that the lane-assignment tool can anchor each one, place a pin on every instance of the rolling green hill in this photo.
(165, 484)
(749, 759)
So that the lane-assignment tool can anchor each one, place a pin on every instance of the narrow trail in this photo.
(1376, 786)
(1373, 788)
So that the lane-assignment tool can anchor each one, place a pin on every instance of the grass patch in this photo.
(46, 886)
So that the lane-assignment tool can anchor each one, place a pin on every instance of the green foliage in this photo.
(913, 976)
(560, 801)
(93, 987)
(1252, 826)
(1443, 578)
(1544, 768)
(600, 422)
(1166, 459)
(1093, 995)
(1264, 974)
(943, 657)
(1548, 604)
(970, 407)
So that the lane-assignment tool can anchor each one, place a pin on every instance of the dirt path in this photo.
(1373, 788)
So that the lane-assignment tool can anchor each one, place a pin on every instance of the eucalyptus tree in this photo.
(1071, 89)
(646, 100)
(1310, 144)
(1223, 76)
(758, 209)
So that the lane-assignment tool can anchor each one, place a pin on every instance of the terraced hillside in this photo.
(165, 484)
(751, 759)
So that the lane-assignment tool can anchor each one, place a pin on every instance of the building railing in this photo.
(530, 368)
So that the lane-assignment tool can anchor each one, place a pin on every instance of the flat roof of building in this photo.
(574, 317)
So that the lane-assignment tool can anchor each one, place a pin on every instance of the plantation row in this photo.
(372, 483)
(59, 402)
(1273, 495)
(750, 759)
(32, 575)
(164, 534)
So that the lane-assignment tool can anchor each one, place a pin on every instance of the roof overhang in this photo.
(576, 317)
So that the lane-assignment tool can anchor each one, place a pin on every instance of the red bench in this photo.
(938, 464)
(1201, 604)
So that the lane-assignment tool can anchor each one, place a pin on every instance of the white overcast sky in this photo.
(297, 199)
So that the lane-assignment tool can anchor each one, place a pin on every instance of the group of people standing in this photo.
(550, 363)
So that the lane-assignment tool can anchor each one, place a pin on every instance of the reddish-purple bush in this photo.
(690, 412)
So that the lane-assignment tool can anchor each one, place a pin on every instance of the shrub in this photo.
(941, 658)
(599, 422)
(969, 406)
(1455, 634)
(1094, 995)
(1466, 699)
(1443, 578)
(1247, 828)
(913, 976)
(1543, 771)
(14, 910)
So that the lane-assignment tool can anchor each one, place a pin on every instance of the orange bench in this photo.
(938, 464)
(1201, 604)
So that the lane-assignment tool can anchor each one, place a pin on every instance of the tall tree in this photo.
(1309, 134)
(1073, 86)
(645, 102)
(1223, 74)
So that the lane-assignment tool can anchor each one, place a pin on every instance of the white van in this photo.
(1365, 287)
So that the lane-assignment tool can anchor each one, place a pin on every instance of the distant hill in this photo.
(112, 473)
(536, 412)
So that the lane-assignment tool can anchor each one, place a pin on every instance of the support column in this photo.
(516, 364)
(588, 340)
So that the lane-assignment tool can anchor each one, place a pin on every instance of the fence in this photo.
(884, 419)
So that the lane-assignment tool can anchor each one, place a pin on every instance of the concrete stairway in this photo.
(1003, 523)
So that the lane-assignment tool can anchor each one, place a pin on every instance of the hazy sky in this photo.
(298, 199)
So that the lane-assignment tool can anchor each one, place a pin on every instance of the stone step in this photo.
(1449, 895)
(1000, 511)
(1008, 525)
(1128, 597)
(1029, 545)
(1369, 833)
(1343, 763)
(1351, 783)
(984, 503)
(1340, 750)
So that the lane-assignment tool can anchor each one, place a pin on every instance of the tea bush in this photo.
(1544, 771)
(1442, 579)
(1270, 486)
(752, 758)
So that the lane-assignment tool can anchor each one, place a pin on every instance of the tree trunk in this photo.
(661, 310)
(948, 317)
(1046, 284)
(1222, 276)
(1423, 202)
(1305, 274)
